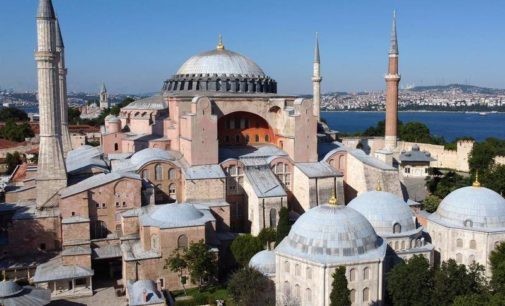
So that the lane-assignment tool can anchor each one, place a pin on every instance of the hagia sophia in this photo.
(217, 153)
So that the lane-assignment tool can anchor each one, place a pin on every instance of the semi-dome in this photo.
(264, 261)
(331, 233)
(472, 206)
(387, 213)
(177, 215)
(9, 288)
(220, 70)
(150, 154)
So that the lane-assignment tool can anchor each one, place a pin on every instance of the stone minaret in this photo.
(104, 97)
(392, 80)
(51, 173)
(316, 81)
(62, 73)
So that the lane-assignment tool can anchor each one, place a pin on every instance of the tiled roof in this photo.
(95, 181)
(55, 270)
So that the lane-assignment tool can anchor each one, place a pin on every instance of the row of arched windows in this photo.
(298, 270)
(472, 244)
(297, 295)
(459, 259)
(235, 179)
(182, 242)
(353, 274)
(365, 296)
(283, 173)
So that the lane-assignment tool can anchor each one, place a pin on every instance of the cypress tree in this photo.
(340, 295)
(284, 226)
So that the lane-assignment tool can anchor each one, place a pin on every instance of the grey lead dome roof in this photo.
(383, 210)
(264, 261)
(221, 62)
(477, 207)
(330, 234)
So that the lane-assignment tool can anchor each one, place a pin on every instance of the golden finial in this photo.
(220, 45)
(333, 200)
(476, 183)
(378, 187)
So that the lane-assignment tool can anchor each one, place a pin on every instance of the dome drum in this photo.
(223, 83)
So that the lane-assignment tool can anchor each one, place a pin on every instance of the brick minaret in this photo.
(51, 173)
(62, 74)
(392, 80)
(316, 81)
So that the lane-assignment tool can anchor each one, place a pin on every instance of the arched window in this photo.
(282, 171)
(473, 244)
(297, 270)
(308, 273)
(468, 223)
(158, 172)
(297, 292)
(237, 139)
(403, 245)
(273, 218)
(246, 139)
(341, 162)
(471, 259)
(366, 295)
(116, 147)
(145, 174)
(182, 242)
(256, 138)
(459, 243)
(459, 258)
(172, 174)
(308, 295)
(352, 275)
(155, 243)
(286, 266)
(396, 245)
(366, 273)
(267, 138)
(281, 144)
(287, 289)
(397, 228)
(172, 191)
(353, 296)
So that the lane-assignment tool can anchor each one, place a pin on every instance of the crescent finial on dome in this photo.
(333, 200)
(220, 45)
(476, 183)
(378, 187)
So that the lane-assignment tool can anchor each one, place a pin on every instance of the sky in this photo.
(134, 45)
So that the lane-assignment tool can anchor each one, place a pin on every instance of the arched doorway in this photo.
(244, 128)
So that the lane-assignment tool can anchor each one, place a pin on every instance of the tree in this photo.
(494, 178)
(244, 247)
(74, 115)
(14, 132)
(13, 113)
(12, 160)
(442, 186)
(202, 263)
(267, 236)
(177, 263)
(431, 202)
(497, 262)
(117, 108)
(411, 283)
(483, 153)
(340, 295)
(250, 287)
(284, 225)
(452, 280)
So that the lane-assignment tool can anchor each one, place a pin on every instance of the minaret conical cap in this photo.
(46, 9)
(59, 37)
(316, 50)
(394, 38)
(104, 89)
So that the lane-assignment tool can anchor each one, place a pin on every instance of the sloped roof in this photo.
(95, 181)
(55, 270)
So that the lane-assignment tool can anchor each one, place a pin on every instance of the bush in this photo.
(244, 247)
(431, 202)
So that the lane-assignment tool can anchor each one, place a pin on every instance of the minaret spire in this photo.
(392, 81)
(62, 73)
(51, 172)
(316, 81)
(104, 97)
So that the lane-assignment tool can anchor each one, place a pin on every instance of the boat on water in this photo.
(482, 114)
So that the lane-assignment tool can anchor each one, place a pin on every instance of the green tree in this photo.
(267, 236)
(452, 280)
(12, 160)
(411, 283)
(14, 132)
(284, 225)
(442, 186)
(497, 262)
(117, 108)
(340, 295)
(431, 202)
(74, 115)
(244, 247)
(202, 263)
(483, 153)
(250, 287)
(13, 113)
(177, 263)
(494, 179)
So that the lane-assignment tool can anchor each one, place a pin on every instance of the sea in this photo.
(450, 125)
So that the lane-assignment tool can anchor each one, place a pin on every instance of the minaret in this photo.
(104, 97)
(62, 73)
(316, 81)
(51, 173)
(392, 80)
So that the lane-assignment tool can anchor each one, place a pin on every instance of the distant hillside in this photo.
(460, 88)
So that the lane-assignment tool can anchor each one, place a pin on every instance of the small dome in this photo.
(150, 154)
(330, 233)
(472, 207)
(264, 262)
(9, 288)
(177, 214)
(384, 210)
(111, 118)
(220, 62)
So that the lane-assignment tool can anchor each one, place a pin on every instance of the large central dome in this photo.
(221, 71)
(221, 62)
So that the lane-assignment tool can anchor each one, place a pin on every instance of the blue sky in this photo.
(134, 45)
